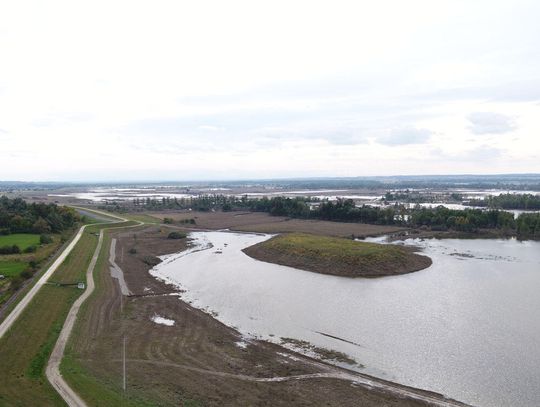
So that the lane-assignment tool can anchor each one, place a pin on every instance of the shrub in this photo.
(26, 274)
(10, 249)
(132, 251)
(16, 282)
(30, 249)
(151, 260)
(176, 235)
(45, 239)
(168, 220)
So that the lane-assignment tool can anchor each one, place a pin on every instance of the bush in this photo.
(30, 249)
(186, 221)
(132, 251)
(45, 239)
(151, 260)
(176, 235)
(168, 221)
(16, 282)
(26, 274)
(10, 249)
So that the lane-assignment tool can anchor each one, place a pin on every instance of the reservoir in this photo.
(467, 327)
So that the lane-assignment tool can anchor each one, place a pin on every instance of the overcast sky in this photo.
(178, 90)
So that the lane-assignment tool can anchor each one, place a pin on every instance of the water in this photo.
(467, 327)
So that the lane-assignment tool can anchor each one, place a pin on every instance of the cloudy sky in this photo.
(153, 90)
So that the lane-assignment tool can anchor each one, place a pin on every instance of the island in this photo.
(338, 256)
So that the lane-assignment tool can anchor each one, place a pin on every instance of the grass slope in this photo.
(23, 240)
(338, 256)
(95, 390)
(26, 347)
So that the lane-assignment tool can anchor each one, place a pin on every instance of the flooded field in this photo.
(466, 327)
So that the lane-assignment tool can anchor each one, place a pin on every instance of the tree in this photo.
(41, 226)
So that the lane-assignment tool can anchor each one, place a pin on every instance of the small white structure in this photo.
(81, 286)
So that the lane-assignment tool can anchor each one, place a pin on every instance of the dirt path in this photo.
(116, 272)
(53, 367)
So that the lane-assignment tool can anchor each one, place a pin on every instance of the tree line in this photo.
(508, 201)
(18, 216)
(345, 210)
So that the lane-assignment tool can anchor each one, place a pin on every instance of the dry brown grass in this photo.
(264, 223)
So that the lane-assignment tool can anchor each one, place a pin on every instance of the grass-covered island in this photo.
(338, 256)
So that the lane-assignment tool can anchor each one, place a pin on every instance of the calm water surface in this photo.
(467, 327)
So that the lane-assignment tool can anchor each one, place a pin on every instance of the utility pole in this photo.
(124, 364)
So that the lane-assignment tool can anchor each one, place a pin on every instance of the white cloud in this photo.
(491, 123)
(190, 90)
(405, 136)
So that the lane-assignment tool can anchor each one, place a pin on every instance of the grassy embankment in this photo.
(338, 256)
(95, 389)
(26, 347)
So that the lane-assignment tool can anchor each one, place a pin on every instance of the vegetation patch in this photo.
(338, 256)
(176, 235)
(11, 268)
(22, 240)
(322, 353)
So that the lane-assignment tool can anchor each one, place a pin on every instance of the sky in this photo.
(194, 90)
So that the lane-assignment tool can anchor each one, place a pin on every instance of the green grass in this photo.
(12, 268)
(338, 256)
(23, 240)
(346, 250)
(142, 217)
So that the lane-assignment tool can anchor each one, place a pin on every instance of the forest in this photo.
(18, 216)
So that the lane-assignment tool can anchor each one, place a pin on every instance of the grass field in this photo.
(12, 265)
(12, 268)
(26, 347)
(337, 256)
(23, 240)
(332, 247)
